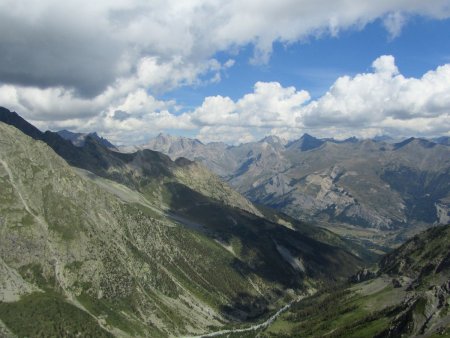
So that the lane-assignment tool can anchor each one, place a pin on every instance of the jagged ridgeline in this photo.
(140, 245)
(374, 191)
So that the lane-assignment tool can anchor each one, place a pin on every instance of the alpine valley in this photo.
(96, 242)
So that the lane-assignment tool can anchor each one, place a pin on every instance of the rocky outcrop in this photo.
(362, 276)
(420, 266)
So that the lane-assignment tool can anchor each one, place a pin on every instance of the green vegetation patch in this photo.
(332, 313)
(34, 274)
(111, 310)
(63, 214)
(48, 315)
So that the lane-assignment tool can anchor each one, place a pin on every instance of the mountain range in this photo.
(359, 188)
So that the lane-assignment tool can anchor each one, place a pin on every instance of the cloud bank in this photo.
(368, 104)
(87, 45)
(102, 65)
(379, 102)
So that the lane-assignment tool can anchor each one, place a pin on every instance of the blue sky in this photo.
(232, 71)
(315, 64)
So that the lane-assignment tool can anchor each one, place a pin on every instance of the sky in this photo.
(232, 71)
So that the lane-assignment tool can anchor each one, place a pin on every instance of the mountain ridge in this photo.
(346, 183)
(79, 139)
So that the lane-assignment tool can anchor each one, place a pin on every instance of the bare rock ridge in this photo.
(421, 269)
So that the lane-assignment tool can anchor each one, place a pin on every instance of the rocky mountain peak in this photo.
(382, 138)
(274, 140)
(306, 142)
(173, 141)
(12, 118)
(79, 139)
(415, 142)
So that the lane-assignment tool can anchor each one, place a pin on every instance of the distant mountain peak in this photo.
(444, 140)
(164, 136)
(417, 141)
(307, 136)
(79, 139)
(167, 138)
(352, 139)
(306, 142)
(274, 140)
(382, 138)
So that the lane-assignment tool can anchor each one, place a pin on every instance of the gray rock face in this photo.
(362, 276)
(420, 266)
(364, 183)
(213, 155)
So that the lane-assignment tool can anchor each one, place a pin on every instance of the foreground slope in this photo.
(410, 296)
(84, 254)
(76, 250)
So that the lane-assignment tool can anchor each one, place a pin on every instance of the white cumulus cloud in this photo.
(367, 104)
(78, 62)
(383, 99)
(269, 105)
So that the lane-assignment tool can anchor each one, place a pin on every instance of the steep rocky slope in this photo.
(174, 251)
(132, 271)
